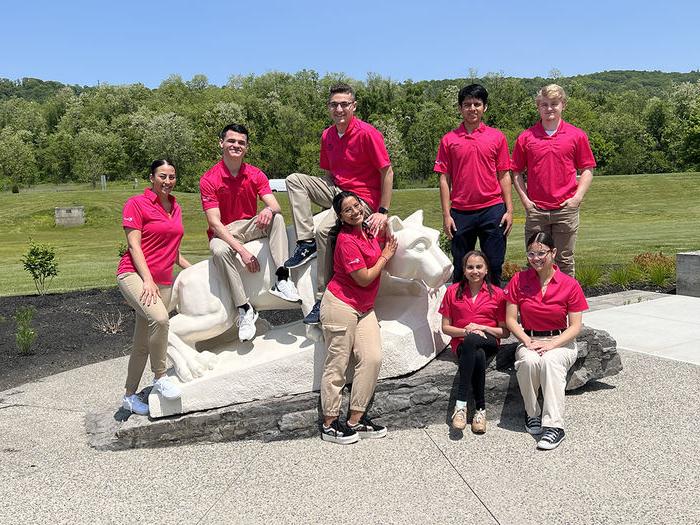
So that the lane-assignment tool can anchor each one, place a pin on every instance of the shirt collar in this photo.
(481, 128)
(560, 130)
(153, 197)
(241, 171)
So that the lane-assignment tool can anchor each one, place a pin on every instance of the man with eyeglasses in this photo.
(473, 164)
(547, 158)
(230, 191)
(354, 158)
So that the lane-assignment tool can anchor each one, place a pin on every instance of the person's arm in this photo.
(448, 224)
(150, 292)
(568, 335)
(220, 231)
(181, 261)
(377, 220)
(514, 326)
(365, 276)
(584, 182)
(272, 207)
(505, 182)
(521, 188)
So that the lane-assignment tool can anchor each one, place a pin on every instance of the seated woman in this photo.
(473, 314)
(551, 306)
(153, 225)
(350, 326)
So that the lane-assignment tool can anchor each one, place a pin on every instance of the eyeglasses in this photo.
(342, 105)
(166, 177)
(351, 209)
(537, 255)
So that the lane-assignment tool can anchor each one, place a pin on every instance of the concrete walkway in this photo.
(630, 456)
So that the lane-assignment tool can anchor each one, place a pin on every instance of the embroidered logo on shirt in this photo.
(354, 261)
(130, 219)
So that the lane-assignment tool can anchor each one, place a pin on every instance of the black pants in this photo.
(472, 366)
(484, 225)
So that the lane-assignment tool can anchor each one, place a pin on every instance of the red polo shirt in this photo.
(236, 197)
(563, 295)
(551, 162)
(355, 159)
(160, 235)
(486, 309)
(353, 251)
(472, 160)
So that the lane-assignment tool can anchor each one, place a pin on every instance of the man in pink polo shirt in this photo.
(546, 160)
(230, 191)
(354, 158)
(475, 187)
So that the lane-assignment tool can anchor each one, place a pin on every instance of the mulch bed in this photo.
(69, 332)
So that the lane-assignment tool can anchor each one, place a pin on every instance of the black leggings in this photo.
(472, 366)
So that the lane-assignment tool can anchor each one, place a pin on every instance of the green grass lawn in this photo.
(621, 217)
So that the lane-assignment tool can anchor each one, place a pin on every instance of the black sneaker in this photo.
(368, 430)
(314, 316)
(305, 251)
(533, 425)
(339, 433)
(551, 439)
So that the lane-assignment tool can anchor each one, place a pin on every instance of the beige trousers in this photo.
(562, 225)
(150, 329)
(245, 231)
(547, 371)
(348, 334)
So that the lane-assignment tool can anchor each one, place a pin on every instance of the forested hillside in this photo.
(638, 122)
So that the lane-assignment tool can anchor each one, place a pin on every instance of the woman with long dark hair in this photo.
(473, 314)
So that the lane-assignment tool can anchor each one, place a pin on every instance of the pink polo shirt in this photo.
(236, 197)
(551, 162)
(160, 235)
(355, 159)
(563, 295)
(487, 309)
(354, 250)
(472, 160)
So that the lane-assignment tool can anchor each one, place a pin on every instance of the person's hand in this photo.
(376, 222)
(573, 202)
(390, 247)
(250, 261)
(264, 218)
(472, 327)
(506, 222)
(448, 226)
(150, 293)
(541, 346)
(529, 205)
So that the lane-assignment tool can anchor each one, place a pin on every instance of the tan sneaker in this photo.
(459, 418)
(479, 421)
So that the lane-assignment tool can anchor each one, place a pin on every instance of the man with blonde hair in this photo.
(547, 158)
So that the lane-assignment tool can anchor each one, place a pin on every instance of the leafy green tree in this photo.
(18, 165)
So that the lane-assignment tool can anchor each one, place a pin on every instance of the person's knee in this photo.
(293, 181)
(219, 250)
(160, 321)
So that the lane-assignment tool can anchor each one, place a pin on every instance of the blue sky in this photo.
(81, 42)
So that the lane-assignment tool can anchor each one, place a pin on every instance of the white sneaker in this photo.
(167, 389)
(133, 404)
(286, 290)
(246, 323)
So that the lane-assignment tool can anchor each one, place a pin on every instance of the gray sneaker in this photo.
(286, 290)
(133, 404)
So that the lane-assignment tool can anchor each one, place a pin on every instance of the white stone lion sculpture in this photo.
(216, 369)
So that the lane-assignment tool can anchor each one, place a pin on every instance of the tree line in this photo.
(637, 122)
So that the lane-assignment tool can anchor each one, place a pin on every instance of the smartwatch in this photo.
(383, 210)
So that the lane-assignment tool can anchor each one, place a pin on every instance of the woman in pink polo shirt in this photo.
(473, 314)
(350, 326)
(153, 225)
(551, 306)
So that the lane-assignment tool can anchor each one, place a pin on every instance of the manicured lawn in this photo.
(621, 217)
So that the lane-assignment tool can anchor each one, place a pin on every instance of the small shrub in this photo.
(626, 275)
(25, 335)
(589, 276)
(109, 323)
(660, 274)
(445, 244)
(123, 248)
(40, 262)
(647, 260)
(509, 270)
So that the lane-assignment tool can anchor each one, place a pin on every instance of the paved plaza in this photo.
(631, 455)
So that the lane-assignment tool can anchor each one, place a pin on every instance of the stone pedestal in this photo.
(70, 216)
(688, 273)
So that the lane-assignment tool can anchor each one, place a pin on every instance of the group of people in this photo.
(552, 167)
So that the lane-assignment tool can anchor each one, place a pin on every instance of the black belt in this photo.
(543, 333)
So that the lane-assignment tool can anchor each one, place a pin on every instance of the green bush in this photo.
(660, 274)
(25, 335)
(589, 276)
(122, 247)
(40, 262)
(445, 244)
(626, 275)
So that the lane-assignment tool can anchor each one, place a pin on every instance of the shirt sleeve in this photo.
(502, 155)
(262, 184)
(519, 162)
(501, 309)
(446, 306)
(577, 300)
(584, 154)
(131, 215)
(348, 256)
(376, 149)
(512, 291)
(207, 192)
(442, 161)
(323, 161)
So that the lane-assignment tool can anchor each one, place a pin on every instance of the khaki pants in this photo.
(302, 191)
(549, 372)
(150, 329)
(349, 334)
(562, 225)
(245, 231)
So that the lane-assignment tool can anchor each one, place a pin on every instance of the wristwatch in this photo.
(383, 210)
